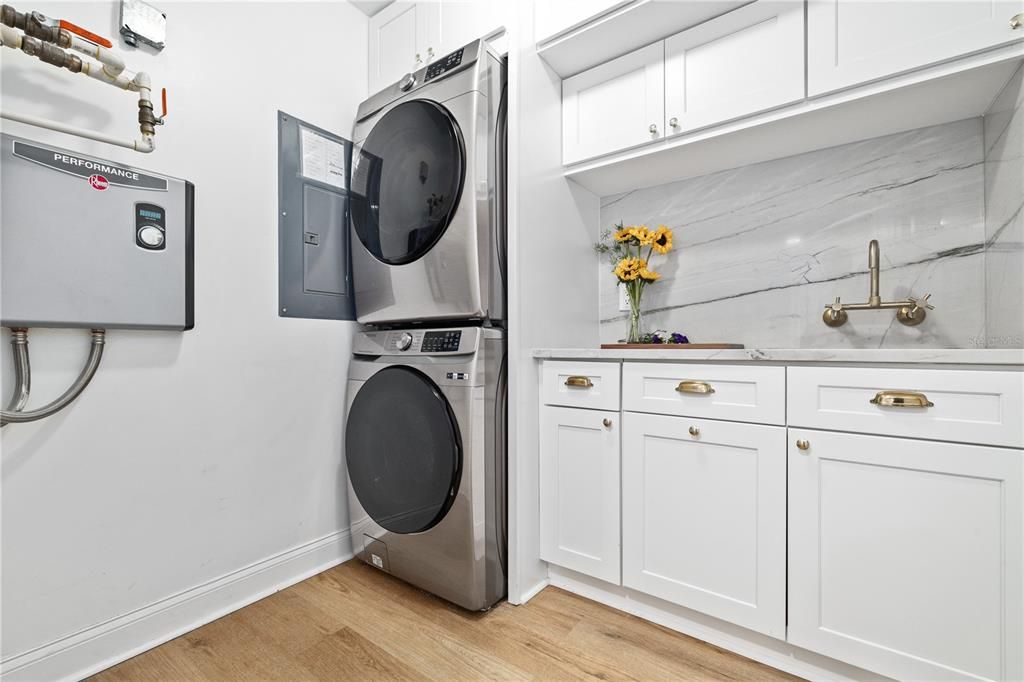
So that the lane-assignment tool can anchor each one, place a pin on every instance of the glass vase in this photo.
(635, 331)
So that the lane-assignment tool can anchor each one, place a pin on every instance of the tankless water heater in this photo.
(91, 243)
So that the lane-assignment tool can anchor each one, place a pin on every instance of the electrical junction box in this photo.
(91, 243)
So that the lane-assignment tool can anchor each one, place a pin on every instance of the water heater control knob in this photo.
(151, 237)
(404, 341)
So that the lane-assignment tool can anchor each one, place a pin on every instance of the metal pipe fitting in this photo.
(69, 396)
(874, 300)
(22, 369)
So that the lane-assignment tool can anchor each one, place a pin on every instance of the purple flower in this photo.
(678, 338)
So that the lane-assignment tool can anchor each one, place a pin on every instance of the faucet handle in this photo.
(834, 315)
(922, 302)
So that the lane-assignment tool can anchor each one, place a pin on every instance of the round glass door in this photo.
(406, 181)
(403, 450)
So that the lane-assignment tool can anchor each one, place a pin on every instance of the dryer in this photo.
(426, 459)
(428, 194)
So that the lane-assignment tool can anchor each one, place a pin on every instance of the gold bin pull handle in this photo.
(699, 387)
(579, 382)
(901, 399)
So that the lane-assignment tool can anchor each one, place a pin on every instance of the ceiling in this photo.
(371, 7)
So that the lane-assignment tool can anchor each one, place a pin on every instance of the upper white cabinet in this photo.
(552, 17)
(398, 41)
(579, 490)
(743, 62)
(704, 516)
(614, 106)
(905, 557)
(405, 36)
(855, 41)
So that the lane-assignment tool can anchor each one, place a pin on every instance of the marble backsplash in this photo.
(760, 250)
(1004, 217)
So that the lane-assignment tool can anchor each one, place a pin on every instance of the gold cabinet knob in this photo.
(1016, 21)
(694, 431)
(579, 382)
(691, 386)
(653, 129)
(674, 122)
(607, 422)
(803, 444)
(901, 399)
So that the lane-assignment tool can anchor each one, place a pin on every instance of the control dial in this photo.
(151, 237)
(404, 341)
(408, 80)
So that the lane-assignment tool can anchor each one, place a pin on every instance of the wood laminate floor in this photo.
(354, 622)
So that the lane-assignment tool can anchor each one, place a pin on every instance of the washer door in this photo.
(404, 450)
(406, 181)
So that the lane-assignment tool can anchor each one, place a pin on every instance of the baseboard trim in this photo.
(753, 645)
(106, 644)
(532, 592)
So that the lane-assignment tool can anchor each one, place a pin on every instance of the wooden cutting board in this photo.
(673, 346)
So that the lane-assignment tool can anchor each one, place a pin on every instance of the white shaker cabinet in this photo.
(743, 62)
(905, 557)
(855, 41)
(398, 41)
(579, 490)
(704, 516)
(553, 17)
(614, 106)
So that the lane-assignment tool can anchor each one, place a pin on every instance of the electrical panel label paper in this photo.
(95, 172)
(323, 159)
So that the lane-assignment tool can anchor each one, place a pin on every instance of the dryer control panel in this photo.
(446, 63)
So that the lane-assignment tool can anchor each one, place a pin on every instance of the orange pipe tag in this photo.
(88, 35)
(163, 100)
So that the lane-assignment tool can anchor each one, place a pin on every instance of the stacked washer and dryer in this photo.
(425, 436)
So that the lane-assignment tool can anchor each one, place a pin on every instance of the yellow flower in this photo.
(661, 239)
(629, 269)
(649, 275)
(642, 234)
(623, 235)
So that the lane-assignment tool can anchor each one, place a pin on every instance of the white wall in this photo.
(190, 456)
(553, 302)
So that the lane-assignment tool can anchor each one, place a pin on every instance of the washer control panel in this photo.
(446, 341)
(446, 63)
(416, 342)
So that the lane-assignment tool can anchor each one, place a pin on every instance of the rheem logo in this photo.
(98, 182)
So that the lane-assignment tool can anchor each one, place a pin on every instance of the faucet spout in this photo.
(874, 300)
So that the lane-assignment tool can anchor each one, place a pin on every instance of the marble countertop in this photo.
(950, 356)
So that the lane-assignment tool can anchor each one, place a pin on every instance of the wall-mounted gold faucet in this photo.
(910, 312)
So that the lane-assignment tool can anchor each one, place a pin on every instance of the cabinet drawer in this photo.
(594, 385)
(733, 392)
(966, 406)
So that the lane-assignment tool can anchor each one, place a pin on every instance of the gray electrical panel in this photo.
(314, 267)
(86, 242)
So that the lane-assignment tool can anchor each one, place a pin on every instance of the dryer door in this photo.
(407, 178)
(404, 450)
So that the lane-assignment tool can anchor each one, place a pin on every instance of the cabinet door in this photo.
(853, 41)
(579, 490)
(704, 516)
(397, 38)
(614, 106)
(743, 62)
(905, 557)
(455, 23)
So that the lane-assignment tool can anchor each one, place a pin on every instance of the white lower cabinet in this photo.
(704, 516)
(905, 557)
(579, 490)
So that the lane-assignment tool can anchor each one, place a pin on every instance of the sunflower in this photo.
(661, 239)
(629, 269)
(624, 234)
(649, 275)
(642, 234)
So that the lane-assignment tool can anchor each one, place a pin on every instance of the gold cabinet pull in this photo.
(699, 387)
(694, 431)
(607, 423)
(579, 382)
(901, 399)
(803, 444)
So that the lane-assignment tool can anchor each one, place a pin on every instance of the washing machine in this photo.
(427, 194)
(425, 447)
